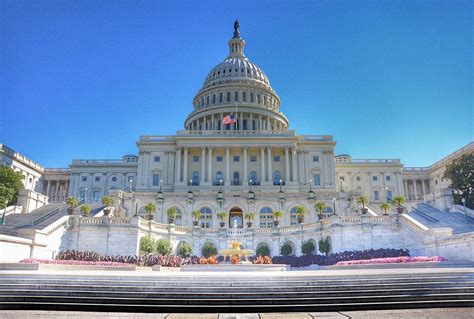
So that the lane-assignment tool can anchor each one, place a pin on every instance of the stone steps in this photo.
(217, 293)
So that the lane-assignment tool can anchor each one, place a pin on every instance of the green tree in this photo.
(385, 207)
(286, 249)
(461, 173)
(10, 184)
(308, 247)
(163, 247)
(147, 244)
(263, 250)
(184, 249)
(324, 246)
(209, 249)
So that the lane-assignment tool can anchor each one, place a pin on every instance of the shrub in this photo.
(324, 246)
(261, 260)
(163, 247)
(212, 260)
(85, 209)
(308, 247)
(263, 250)
(209, 249)
(286, 249)
(147, 244)
(107, 201)
(184, 249)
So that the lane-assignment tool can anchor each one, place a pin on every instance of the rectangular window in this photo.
(388, 178)
(82, 194)
(253, 158)
(195, 158)
(221, 97)
(228, 96)
(156, 158)
(251, 97)
(96, 196)
(317, 179)
(218, 158)
(374, 178)
(244, 96)
(315, 158)
(207, 100)
(84, 178)
(156, 180)
(389, 194)
(97, 178)
(236, 96)
(276, 158)
(213, 99)
(259, 100)
(376, 195)
(236, 158)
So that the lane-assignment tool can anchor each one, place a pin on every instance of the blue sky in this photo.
(84, 79)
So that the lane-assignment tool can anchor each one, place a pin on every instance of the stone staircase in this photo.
(237, 292)
(433, 218)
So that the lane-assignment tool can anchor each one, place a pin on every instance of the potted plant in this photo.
(276, 217)
(171, 212)
(362, 200)
(320, 208)
(107, 201)
(250, 217)
(221, 216)
(85, 209)
(300, 212)
(72, 204)
(150, 209)
(385, 207)
(196, 215)
(399, 201)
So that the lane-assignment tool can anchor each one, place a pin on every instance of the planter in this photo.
(276, 222)
(107, 212)
(320, 216)
(149, 216)
(300, 220)
(364, 210)
(399, 210)
(170, 220)
(70, 211)
(222, 224)
(195, 223)
(249, 224)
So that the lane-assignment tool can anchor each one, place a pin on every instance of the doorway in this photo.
(235, 214)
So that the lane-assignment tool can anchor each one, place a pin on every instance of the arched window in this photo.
(207, 100)
(195, 178)
(206, 217)
(253, 177)
(266, 217)
(251, 97)
(276, 178)
(213, 99)
(244, 124)
(293, 220)
(179, 217)
(228, 96)
(221, 97)
(244, 96)
(236, 96)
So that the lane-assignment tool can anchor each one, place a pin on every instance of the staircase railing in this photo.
(44, 217)
(422, 213)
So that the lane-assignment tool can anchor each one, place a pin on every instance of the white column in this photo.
(209, 165)
(213, 123)
(203, 163)
(56, 191)
(262, 164)
(405, 184)
(227, 165)
(269, 124)
(287, 165)
(178, 165)
(269, 154)
(245, 166)
(423, 188)
(47, 188)
(294, 164)
(250, 125)
(241, 121)
(185, 165)
(414, 189)
(260, 122)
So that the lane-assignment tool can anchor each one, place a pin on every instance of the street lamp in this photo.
(334, 204)
(190, 183)
(340, 182)
(130, 182)
(220, 185)
(250, 184)
(281, 183)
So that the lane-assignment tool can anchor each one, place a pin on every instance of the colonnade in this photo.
(245, 121)
(59, 188)
(416, 193)
(266, 160)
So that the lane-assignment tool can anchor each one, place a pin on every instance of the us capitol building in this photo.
(253, 163)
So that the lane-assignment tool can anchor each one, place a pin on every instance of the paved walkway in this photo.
(433, 313)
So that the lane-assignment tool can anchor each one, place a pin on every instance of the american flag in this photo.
(229, 119)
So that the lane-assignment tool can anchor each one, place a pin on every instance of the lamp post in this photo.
(463, 200)
(130, 182)
(281, 183)
(220, 185)
(310, 184)
(334, 204)
(190, 184)
(340, 183)
(250, 185)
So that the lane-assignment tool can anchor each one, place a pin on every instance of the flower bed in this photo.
(74, 262)
(394, 260)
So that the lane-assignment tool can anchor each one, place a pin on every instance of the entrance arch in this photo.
(236, 214)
